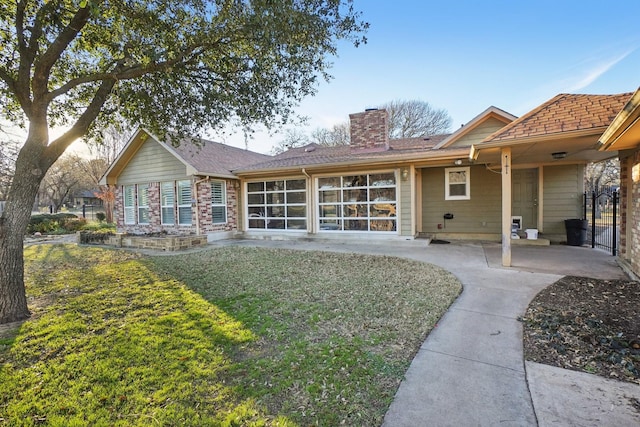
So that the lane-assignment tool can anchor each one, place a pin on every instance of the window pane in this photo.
(356, 225)
(329, 210)
(167, 196)
(143, 215)
(383, 225)
(296, 224)
(355, 195)
(275, 211)
(184, 192)
(255, 186)
(296, 184)
(275, 224)
(275, 198)
(184, 215)
(330, 196)
(168, 216)
(355, 181)
(219, 214)
(255, 199)
(274, 185)
(218, 193)
(297, 197)
(382, 194)
(296, 211)
(383, 179)
(129, 195)
(457, 189)
(330, 224)
(331, 182)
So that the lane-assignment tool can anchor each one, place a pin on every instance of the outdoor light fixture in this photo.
(404, 174)
(457, 162)
(559, 155)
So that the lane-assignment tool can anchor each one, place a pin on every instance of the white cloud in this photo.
(595, 71)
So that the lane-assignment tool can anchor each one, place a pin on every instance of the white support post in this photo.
(505, 156)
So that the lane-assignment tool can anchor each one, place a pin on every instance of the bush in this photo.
(52, 223)
(101, 216)
(95, 237)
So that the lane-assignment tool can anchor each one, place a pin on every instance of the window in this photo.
(277, 205)
(143, 204)
(364, 202)
(456, 184)
(218, 202)
(167, 202)
(129, 204)
(184, 202)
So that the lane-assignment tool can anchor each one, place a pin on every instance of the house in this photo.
(181, 189)
(86, 197)
(474, 183)
(623, 136)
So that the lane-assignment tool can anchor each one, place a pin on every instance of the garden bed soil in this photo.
(586, 325)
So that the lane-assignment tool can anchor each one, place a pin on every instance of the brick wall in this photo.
(632, 212)
(369, 130)
(203, 208)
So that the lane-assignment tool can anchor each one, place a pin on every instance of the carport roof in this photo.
(564, 113)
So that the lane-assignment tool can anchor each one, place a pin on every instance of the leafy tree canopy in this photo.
(204, 63)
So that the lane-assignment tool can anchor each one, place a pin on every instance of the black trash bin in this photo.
(576, 231)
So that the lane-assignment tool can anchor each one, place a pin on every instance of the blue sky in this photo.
(465, 56)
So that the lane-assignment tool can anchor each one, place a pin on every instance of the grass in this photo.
(224, 337)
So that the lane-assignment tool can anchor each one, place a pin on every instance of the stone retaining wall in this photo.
(165, 243)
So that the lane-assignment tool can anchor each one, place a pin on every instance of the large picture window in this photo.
(277, 205)
(129, 198)
(218, 202)
(167, 203)
(143, 204)
(456, 184)
(364, 202)
(184, 202)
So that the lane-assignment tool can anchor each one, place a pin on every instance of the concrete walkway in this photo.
(470, 371)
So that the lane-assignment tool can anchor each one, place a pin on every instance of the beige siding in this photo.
(480, 214)
(405, 207)
(152, 163)
(563, 193)
(479, 133)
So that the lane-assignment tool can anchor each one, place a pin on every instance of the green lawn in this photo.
(229, 337)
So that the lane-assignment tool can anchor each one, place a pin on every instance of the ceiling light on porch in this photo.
(457, 162)
(559, 155)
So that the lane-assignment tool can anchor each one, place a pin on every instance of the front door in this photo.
(525, 196)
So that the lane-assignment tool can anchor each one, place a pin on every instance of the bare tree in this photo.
(107, 143)
(339, 134)
(9, 149)
(413, 118)
(293, 138)
(62, 180)
(601, 179)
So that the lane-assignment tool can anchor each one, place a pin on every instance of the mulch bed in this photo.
(586, 325)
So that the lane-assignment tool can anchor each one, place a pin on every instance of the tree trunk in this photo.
(30, 169)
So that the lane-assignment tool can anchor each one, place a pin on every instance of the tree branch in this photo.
(60, 144)
(43, 66)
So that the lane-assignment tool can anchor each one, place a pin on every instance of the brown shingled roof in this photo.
(564, 113)
(214, 158)
(315, 154)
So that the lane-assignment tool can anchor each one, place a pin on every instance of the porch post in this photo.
(505, 155)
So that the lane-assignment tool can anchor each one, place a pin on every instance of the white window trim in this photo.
(140, 188)
(467, 195)
(222, 204)
(285, 204)
(163, 219)
(187, 204)
(396, 202)
(129, 210)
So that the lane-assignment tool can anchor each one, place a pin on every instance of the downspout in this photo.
(195, 184)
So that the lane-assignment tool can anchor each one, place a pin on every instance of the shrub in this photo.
(50, 223)
(101, 216)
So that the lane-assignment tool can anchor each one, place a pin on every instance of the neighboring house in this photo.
(188, 189)
(474, 183)
(86, 197)
(623, 137)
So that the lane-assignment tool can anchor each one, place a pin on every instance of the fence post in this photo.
(614, 238)
(584, 205)
(593, 219)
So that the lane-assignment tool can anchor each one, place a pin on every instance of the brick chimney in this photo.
(369, 130)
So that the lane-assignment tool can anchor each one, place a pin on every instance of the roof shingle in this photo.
(564, 113)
